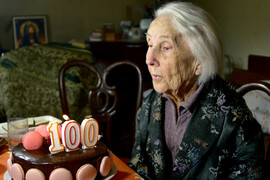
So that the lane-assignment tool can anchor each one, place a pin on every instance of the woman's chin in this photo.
(159, 88)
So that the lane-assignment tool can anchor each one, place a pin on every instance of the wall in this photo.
(67, 19)
(245, 26)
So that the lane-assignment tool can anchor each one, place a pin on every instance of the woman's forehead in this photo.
(162, 27)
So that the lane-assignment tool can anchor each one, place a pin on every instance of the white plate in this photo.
(37, 120)
(110, 175)
(7, 176)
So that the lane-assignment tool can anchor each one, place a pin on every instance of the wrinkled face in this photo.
(169, 60)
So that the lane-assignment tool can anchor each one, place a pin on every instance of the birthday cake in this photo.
(33, 159)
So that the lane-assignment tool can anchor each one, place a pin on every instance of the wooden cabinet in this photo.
(109, 51)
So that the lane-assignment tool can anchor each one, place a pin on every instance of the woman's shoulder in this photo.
(219, 88)
(218, 95)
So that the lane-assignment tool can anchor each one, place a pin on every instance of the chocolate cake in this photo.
(46, 162)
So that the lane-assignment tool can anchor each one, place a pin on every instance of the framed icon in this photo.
(29, 30)
(136, 33)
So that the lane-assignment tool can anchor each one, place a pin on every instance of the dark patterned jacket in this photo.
(222, 140)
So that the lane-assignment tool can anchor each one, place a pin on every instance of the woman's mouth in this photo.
(156, 77)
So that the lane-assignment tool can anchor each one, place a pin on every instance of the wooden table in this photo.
(123, 171)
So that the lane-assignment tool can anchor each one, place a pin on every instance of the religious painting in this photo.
(29, 30)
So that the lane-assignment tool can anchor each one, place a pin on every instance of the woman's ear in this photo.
(198, 70)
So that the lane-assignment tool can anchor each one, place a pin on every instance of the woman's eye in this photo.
(166, 48)
(149, 45)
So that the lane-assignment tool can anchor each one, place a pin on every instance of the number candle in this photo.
(71, 135)
(89, 133)
(56, 145)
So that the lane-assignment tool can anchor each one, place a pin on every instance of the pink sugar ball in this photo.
(32, 140)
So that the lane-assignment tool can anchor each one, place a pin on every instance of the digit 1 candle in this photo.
(71, 135)
(89, 133)
(56, 145)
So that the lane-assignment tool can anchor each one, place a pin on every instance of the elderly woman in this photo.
(192, 126)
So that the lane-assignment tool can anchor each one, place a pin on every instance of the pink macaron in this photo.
(60, 173)
(32, 140)
(42, 129)
(86, 171)
(105, 166)
(34, 174)
(16, 171)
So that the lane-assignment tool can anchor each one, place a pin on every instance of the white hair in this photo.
(201, 33)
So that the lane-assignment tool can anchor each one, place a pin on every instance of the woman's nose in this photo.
(150, 57)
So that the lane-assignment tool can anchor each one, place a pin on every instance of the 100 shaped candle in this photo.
(73, 134)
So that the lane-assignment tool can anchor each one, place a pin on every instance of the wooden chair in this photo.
(251, 87)
(114, 101)
(244, 89)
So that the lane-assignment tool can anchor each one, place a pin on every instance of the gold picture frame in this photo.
(29, 30)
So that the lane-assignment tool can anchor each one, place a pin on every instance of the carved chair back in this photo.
(112, 101)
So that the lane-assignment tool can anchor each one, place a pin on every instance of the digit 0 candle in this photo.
(89, 133)
(71, 135)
